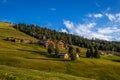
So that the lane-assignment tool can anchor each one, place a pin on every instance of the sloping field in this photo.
(6, 30)
(30, 62)
(28, 74)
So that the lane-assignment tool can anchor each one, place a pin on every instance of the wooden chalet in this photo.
(46, 43)
(63, 55)
(26, 41)
(18, 40)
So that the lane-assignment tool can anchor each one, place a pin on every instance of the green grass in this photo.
(6, 30)
(6, 25)
(30, 62)
(100, 69)
(12, 73)
(112, 58)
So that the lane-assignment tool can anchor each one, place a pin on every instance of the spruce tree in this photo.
(91, 51)
(51, 49)
(72, 53)
(88, 53)
(56, 50)
(96, 53)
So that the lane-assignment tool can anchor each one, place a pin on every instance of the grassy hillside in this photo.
(29, 61)
(6, 30)
(29, 74)
(99, 69)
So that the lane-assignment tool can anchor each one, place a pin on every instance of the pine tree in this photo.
(91, 51)
(96, 53)
(88, 53)
(51, 49)
(70, 40)
(72, 53)
(56, 50)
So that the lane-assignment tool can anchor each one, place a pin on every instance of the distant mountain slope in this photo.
(7, 30)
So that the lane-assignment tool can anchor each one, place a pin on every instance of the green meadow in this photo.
(20, 61)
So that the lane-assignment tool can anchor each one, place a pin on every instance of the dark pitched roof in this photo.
(61, 54)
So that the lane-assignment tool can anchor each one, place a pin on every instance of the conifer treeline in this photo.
(38, 32)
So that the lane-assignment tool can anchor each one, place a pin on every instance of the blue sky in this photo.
(88, 18)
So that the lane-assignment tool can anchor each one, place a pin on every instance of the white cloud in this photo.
(87, 30)
(118, 17)
(113, 17)
(79, 29)
(110, 16)
(64, 30)
(90, 25)
(68, 24)
(108, 30)
(95, 15)
(101, 36)
(53, 9)
(98, 15)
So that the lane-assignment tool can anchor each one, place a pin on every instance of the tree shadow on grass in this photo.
(116, 60)
(47, 56)
(53, 59)
(35, 52)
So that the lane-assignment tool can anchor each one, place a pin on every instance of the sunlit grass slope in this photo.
(7, 30)
(30, 62)
(29, 74)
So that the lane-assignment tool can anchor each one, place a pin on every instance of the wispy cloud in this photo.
(101, 36)
(79, 29)
(108, 30)
(99, 15)
(53, 9)
(88, 30)
(68, 24)
(110, 16)
(64, 30)
(113, 17)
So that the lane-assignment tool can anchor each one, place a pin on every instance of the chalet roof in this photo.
(61, 54)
